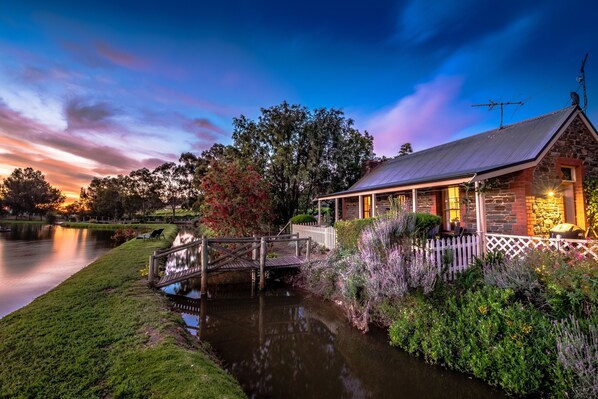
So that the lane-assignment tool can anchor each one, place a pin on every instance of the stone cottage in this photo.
(521, 179)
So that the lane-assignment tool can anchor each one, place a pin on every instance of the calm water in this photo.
(37, 258)
(284, 343)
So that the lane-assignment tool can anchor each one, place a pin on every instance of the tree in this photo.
(236, 199)
(169, 182)
(301, 153)
(145, 188)
(406, 149)
(103, 197)
(27, 191)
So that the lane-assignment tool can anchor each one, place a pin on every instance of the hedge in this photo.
(304, 218)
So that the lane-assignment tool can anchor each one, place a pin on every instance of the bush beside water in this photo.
(528, 325)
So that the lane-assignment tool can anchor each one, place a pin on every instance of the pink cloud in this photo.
(428, 117)
(120, 57)
(19, 136)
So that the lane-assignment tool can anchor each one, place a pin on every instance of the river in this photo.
(35, 258)
(286, 343)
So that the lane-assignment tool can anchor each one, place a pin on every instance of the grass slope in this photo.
(104, 334)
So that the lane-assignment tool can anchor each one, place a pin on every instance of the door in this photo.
(569, 204)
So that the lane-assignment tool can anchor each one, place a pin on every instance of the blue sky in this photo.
(95, 88)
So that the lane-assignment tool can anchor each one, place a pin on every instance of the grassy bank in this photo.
(102, 226)
(104, 334)
(13, 221)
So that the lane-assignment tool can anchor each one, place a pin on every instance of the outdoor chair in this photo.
(156, 234)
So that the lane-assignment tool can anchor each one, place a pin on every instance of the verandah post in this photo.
(204, 266)
(262, 263)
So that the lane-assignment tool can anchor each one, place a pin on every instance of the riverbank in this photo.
(104, 226)
(104, 333)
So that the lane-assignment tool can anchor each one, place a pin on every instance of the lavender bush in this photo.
(384, 268)
(577, 352)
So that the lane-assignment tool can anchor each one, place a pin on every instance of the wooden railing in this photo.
(212, 254)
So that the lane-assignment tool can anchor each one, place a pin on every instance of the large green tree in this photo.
(26, 191)
(302, 153)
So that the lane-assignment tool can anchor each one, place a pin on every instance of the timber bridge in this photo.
(218, 255)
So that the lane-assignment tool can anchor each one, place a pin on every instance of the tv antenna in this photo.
(581, 79)
(493, 104)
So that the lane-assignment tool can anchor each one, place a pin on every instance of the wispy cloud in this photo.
(88, 115)
(428, 117)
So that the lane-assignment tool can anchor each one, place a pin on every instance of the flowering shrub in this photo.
(515, 274)
(578, 354)
(236, 200)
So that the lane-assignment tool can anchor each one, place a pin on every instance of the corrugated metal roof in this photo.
(496, 149)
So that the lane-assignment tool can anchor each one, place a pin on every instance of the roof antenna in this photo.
(493, 104)
(581, 79)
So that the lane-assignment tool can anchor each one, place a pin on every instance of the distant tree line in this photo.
(291, 153)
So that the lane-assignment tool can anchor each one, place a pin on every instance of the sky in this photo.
(96, 88)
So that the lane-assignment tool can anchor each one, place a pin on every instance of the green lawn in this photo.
(104, 334)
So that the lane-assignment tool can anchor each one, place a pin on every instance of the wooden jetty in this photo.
(217, 255)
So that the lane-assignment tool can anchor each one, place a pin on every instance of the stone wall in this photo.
(577, 148)
(506, 204)
(350, 208)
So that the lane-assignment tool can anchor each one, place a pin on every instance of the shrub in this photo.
(578, 354)
(304, 218)
(424, 222)
(486, 332)
(570, 282)
(515, 274)
(348, 232)
(123, 235)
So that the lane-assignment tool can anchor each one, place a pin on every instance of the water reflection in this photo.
(36, 258)
(283, 343)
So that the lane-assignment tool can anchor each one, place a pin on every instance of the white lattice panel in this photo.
(518, 245)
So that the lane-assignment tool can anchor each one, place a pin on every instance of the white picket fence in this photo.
(323, 235)
(451, 255)
(518, 245)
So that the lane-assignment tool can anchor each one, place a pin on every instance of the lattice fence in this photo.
(518, 245)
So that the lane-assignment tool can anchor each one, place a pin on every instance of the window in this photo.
(367, 206)
(453, 205)
(568, 173)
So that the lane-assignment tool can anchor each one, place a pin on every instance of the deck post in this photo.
(336, 212)
(297, 246)
(254, 251)
(262, 263)
(308, 250)
(150, 275)
(204, 266)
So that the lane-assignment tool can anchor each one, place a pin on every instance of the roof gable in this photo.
(496, 149)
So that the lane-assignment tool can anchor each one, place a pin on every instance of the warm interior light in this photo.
(551, 193)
